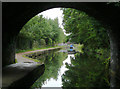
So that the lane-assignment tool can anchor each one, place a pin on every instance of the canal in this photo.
(54, 68)
(72, 70)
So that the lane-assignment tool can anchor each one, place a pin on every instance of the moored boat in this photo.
(71, 50)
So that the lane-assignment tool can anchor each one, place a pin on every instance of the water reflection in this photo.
(68, 61)
(58, 82)
(79, 70)
(87, 70)
(51, 76)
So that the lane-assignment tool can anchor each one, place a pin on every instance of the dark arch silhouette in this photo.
(15, 15)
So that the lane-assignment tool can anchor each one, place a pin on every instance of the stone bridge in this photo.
(15, 15)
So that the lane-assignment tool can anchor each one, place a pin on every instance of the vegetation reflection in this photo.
(53, 62)
(86, 70)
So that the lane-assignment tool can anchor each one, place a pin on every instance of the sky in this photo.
(54, 13)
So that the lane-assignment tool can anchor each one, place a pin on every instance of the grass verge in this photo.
(20, 51)
(35, 60)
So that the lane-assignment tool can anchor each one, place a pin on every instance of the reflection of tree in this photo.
(53, 62)
(86, 71)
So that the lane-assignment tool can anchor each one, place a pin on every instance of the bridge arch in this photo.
(15, 15)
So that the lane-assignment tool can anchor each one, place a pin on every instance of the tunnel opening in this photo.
(82, 42)
(101, 11)
(30, 29)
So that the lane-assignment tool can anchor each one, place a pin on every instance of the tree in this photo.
(84, 29)
(92, 63)
(40, 32)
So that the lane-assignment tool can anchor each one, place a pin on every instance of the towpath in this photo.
(24, 66)
(21, 59)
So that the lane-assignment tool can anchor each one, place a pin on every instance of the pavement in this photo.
(14, 72)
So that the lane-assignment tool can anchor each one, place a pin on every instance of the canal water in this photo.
(54, 68)
(68, 70)
(58, 82)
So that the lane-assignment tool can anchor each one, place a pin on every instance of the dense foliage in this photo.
(40, 32)
(86, 30)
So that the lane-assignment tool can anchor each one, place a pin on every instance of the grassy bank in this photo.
(78, 47)
(35, 60)
(20, 51)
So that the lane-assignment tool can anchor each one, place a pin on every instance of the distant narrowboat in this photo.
(71, 50)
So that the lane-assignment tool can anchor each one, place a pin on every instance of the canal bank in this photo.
(23, 72)
(26, 57)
